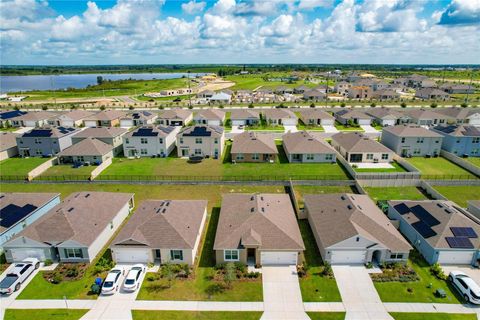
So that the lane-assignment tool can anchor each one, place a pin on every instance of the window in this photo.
(369, 156)
(476, 140)
(239, 156)
(458, 140)
(73, 253)
(143, 140)
(403, 140)
(198, 140)
(358, 239)
(38, 151)
(384, 156)
(396, 256)
(416, 151)
(215, 141)
(255, 156)
(176, 255)
(475, 151)
(38, 141)
(329, 156)
(160, 140)
(437, 141)
(181, 140)
(310, 156)
(127, 141)
(81, 158)
(198, 151)
(143, 151)
(230, 255)
(420, 140)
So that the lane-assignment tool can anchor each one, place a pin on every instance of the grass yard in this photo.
(44, 314)
(195, 315)
(439, 167)
(460, 194)
(301, 190)
(326, 315)
(314, 286)
(19, 166)
(395, 193)
(420, 292)
(253, 81)
(68, 170)
(396, 168)
(474, 160)
(432, 316)
(342, 127)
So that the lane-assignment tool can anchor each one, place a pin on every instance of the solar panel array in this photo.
(424, 229)
(11, 114)
(424, 215)
(145, 132)
(464, 232)
(459, 242)
(64, 130)
(402, 208)
(11, 214)
(38, 133)
(198, 132)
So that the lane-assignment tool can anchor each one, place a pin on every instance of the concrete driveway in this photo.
(358, 293)
(290, 128)
(369, 129)
(470, 271)
(330, 129)
(236, 129)
(282, 298)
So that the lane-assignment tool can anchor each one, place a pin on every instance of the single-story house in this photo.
(356, 116)
(283, 90)
(300, 89)
(8, 145)
(280, 117)
(201, 141)
(175, 117)
(206, 94)
(244, 117)
(105, 118)
(212, 117)
(257, 229)
(385, 94)
(461, 115)
(316, 117)
(136, 119)
(314, 95)
(425, 117)
(18, 210)
(350, 229)
(412, 140)
(356, 147)
(72, 118)
(453, 88)
(43, 142)
(220, 98)
(439, 230)
(387, 116)
(150, 141)
(33, 119)
(461, 140)
(87, 151)
(109, 135)
(431, 94)
(304, 147)
(163, 231)
(73, 231)
(7, 117)
(250, 146)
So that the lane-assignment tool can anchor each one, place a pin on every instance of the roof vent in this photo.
(252, 209)
(349, 207)
(448, 211)
(261, 198)
(71, 209)
(439, 205)
(252, 198)
(158, 210)
(164, 209)
(168, 203)
(342, 197)
(263, 209)
(87, 195)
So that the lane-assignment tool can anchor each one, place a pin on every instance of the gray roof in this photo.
(279, 114)
(338, 217)
(164, 224)
(357, 142)
(315, 114)
(8, 140)
(253, 142)
(241, 114)
(81, 217)
(101, 132)
(107, 115)
(459, 131)
(202, 131)
(352, 114)
(384, 113)
(456, 112)
(144, 115)
(305, 142)
(75, 115)
(405, 130)
(427, 114)
(313, 93)
(210, 114)
(264, 220)
(175, 114)
(430, 91)
(87, 147)
(37, 115)
(148, 131)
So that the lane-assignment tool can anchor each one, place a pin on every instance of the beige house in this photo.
(431, 93)
(244, 117)
(163, 231)
(105, 118)
(356, 148)
(89, 150)
(112, 136)
(351, 229)
(251, 146)
(303, 147)
(316, 117)
(175, 117)
(72, 118)
(360, 92)
(212, 117)
(33, 119)
(258, 229)
(8, 145)
(280, 117)
(201, 141)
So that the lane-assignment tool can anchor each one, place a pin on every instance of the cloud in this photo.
(312, 4)
(461, 12)
(193, 7)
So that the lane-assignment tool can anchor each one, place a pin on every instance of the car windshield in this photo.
(130, 281)
(476, 296)
(108, 284)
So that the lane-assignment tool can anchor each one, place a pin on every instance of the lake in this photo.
(64, 81)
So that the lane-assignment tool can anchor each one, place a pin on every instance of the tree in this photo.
(99, 80)
(44, 108)
(464, 105)
(102, 108)
(251, 105)
(433, 105)
(229, 275)
(131, 108)
(342, 104)
(168, 273)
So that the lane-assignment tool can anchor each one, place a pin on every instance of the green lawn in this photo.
(302, 190)
(397, 291)
(253, 81)
(19, 166)
(44, 314)
(396, 168)
(326, 315)
(342, 127)
(395, 193)
(195, 315)
(474, 160)
(432, 316)
(439, 167)
(314, 287)
(460, 194)
(68, 170)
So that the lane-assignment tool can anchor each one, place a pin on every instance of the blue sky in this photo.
(240, 31)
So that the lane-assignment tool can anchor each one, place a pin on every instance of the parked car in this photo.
(132, 281)
(20, 272)
(468, 288)
(112, 281)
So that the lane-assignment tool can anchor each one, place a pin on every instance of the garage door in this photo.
(388, 122)
(238, 122)
(276, 257)
(455, 257)
(21, 254)
(363, 121)
(343, 257)
(289, 122)
(132, 255)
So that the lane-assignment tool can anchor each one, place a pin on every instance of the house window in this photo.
(81, 158)
(38, 141)
(420, 140)
(369, 156)
(436, 141)
(181, 140)
(38, 151)
(160, 140)
(416, 151)
(215, 141)
(239, 156)
(403, 140)
(73, 253)
(198, 151)
(143, 140)
(230, 255)
(358, 239)
(396, 256)
(476, 140)
(384, 156)
(143, 151)
(458, 140)
(329, 156)
(198, 140)
(475, 151)
(310, 156)
(127, 141)
(176, 255)
(255, 156)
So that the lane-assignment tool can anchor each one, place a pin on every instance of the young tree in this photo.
(229, 275)
(168, 273)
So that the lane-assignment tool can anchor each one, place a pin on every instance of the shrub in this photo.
(151, 277)
(48, 262)
(312, 105)
(56, 278)
(373, 105)
(72, 271)
(403, 105)
(327, 270)
(240, 267)
(464, 105)
(251, 105)
(44, 108)
(437, 271)
(102, 108)
(253, 275)
(131, 108)
(433, 105)
(229, 275)
(342, 104)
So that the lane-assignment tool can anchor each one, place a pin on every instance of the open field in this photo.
(460, 194)
(195, 315)
(19, 166)
(253, 81)
(438, 167)
(395, 193)
(43, 314)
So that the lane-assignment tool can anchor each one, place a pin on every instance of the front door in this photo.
(251, 256)
(185, 153)
(158, 255)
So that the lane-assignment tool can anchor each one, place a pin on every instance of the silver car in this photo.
(132, 281)
(112, 281)
(468, 288)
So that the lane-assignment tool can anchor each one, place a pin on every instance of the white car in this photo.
(112, 281)
(468, 288)
(20, 272)
(132, 281)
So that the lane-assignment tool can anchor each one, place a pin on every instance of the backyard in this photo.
(459, 194)
(439, 167)
(19, 167)
(66, 170)
(395, 193)
(396, 168)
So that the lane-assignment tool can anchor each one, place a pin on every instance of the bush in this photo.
(48, 262)
(403, 105)
(433, 105)
(44, 108)
(56, 278)
(373, 105)
(131, 108)
(151, 277)
(312, 105)
(251, 105)
(327, 270)
(72, 272)
(240, 267)
(464, 105)
(437, 271)
(253, 275)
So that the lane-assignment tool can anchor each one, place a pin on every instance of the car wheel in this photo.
(467, 299)
(450, 278)
(37, 265)
(17, 286)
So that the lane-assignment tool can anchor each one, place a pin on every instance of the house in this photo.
(303, 147)
(105, 118)
(415, 81)
(109, 135)
(244, 117)
(431, 94)
(342, 88)
(351, 229)
(439, 230)
(425, 117)
(33, 119)
(138, 119)
(75, 230)
(452, 88)
(385, 94)
(244, 96)
(201, 141)
(379, 85)
(257, 229)
(43, 142)
(300, 89)
(347, 116)
(316, 117)
(206, 94)
(72, 118)
(163, 231)
(18, 210)
(461, 115)
(386, 116)
(461, 140)
(314, 95)
(221, 98)
(359, 92)
(356, 148)
(283, 90)
(8, 145)
(280, 117)
(412, 140)
(150, 141)
(250, 146)
(175, 117)
(473, 206)
(473, 118)
(87, 151)
(212, 117)
(7, 117)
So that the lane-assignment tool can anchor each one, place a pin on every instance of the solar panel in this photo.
(198, 132)
(464, 232)
(402, 208)
(145, 132)
(424, 215)
(38, 133)
(11, 114)
(459, 242)
(12, 213)
(424, 229)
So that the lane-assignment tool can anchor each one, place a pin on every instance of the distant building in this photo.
(461, 140)
(431, 94)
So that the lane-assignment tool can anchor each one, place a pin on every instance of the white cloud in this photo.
(461, 12)
(193, 7)
(312, 4)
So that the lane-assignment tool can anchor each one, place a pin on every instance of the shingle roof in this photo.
(265, 219)
(75, 115)
(357, 142)
(107, 115)
(175, 114)
(404, 130)
(37, 115)
(384, 113)
(8, 140)
(101, 132)
(49, 132)
(202, 131)
(427, 114)
(314, 113)
(164, 224)
(210, 114)
(253, 142)
(337, 217)
(352, 114)
(144, 115)
(87, 147)
(455, 112)
(242, 114)
(279, 114)
(459, 131)
(305, 142)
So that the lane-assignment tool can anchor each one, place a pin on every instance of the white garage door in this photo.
(21, 254)
(364, 121)
(132, 255)
(388, 122)
(277, 257)
(90, 123)
(289, 122)
(455, 257)
(238, 122)
(352, 256)
(327, 122)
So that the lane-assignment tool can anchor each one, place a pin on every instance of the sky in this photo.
(76, 32)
